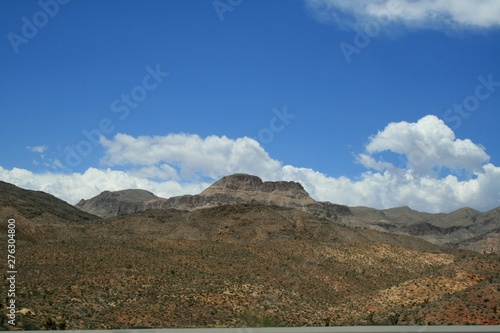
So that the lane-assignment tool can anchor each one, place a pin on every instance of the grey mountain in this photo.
(229, 190)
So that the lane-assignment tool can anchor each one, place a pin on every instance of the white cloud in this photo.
(76, 186)
(426, 145)
(455, 14)
(392, 189)
(52, 163)
(179, 164)
(162, 171)
(37, 149)
(211, 157)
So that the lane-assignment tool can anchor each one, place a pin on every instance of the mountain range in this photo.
(234, 189)
(243, 253)
(464, 228)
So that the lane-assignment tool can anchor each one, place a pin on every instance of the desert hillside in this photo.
(234, 266)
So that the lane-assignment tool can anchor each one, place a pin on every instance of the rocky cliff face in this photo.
(252, 187)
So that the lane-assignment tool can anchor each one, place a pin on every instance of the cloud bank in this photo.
(76, 186)
(420, 14)
(431, 169)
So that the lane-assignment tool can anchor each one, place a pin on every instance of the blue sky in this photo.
(378, 103)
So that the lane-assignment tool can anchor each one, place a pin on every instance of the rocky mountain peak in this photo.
(119, 202)
(238, 181)
(242, 184)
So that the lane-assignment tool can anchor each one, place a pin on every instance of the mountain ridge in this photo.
(463, 228)
(233, 189)
(29, 203)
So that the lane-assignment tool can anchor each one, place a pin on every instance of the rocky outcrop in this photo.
(252, 187)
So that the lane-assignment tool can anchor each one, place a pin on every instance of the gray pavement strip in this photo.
(341, 329)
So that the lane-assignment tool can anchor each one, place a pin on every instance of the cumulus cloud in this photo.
(392, 189)
(455, 14)
(424, 148)
(426, 145)
(178, 164)
(212, 156)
